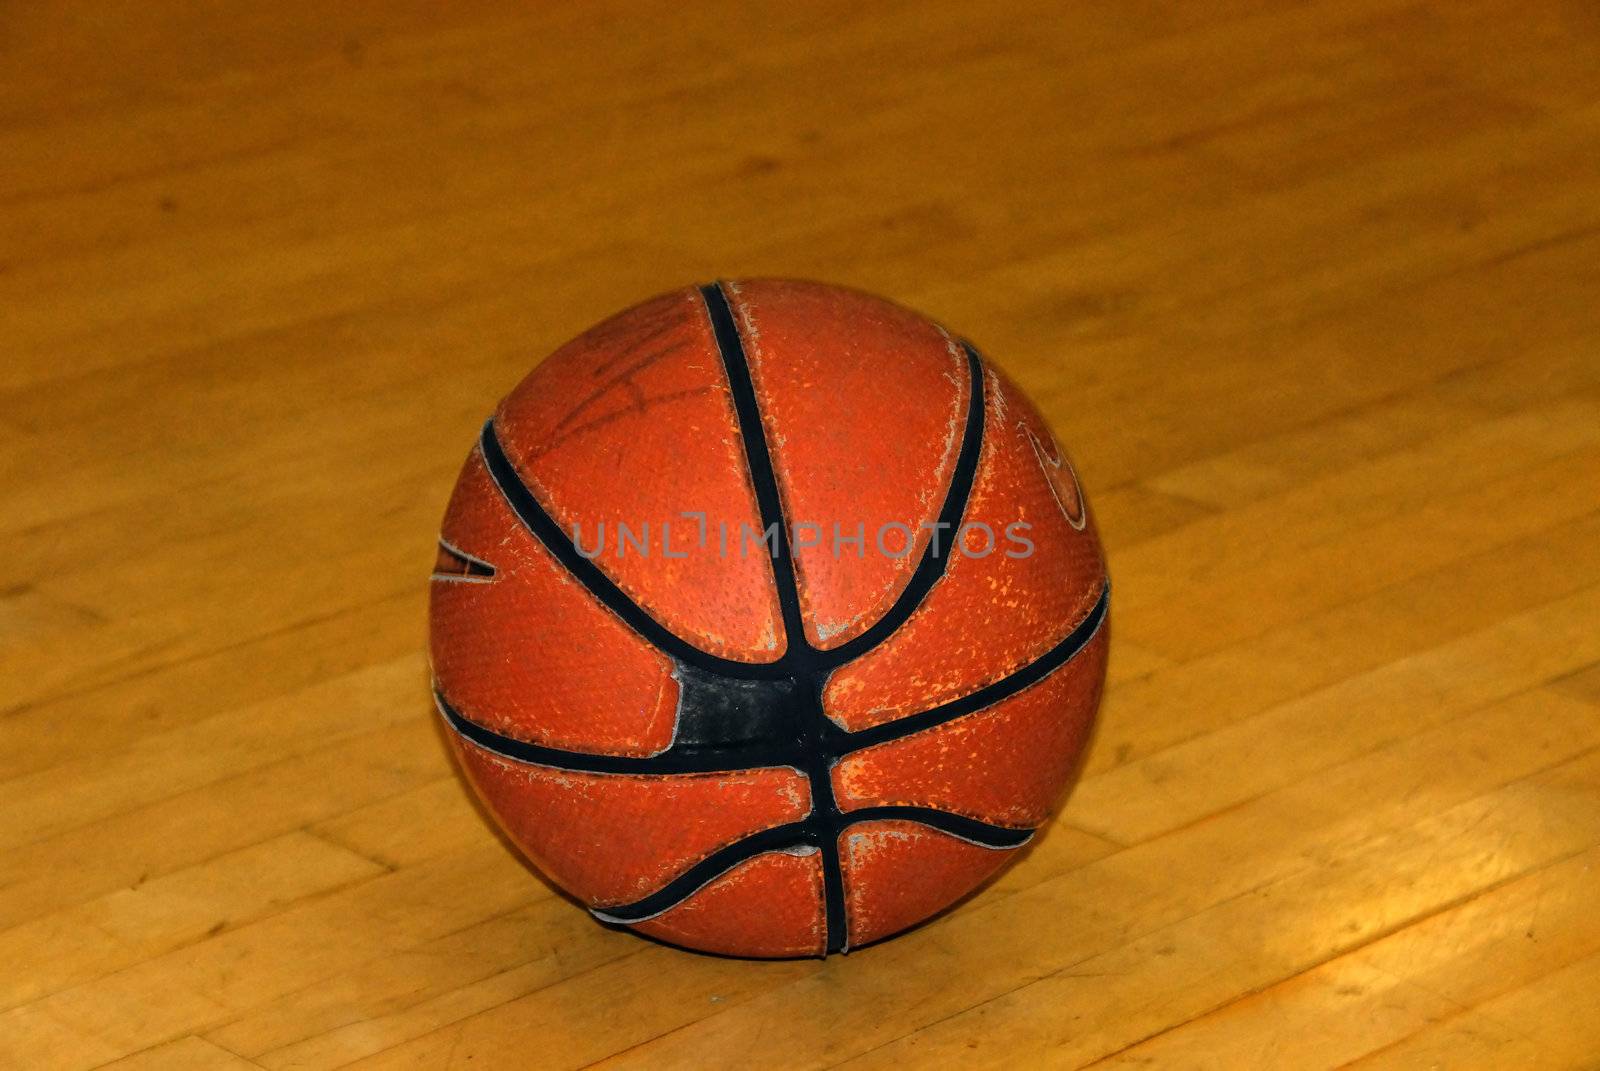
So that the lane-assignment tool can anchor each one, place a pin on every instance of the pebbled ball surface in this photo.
(778, 749)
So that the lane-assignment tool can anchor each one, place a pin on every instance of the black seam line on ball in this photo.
(983, 834)
(836, 744)
(802, 660)
(931, 567)
(758, 459)
(806, 833)
(548, 532)
(990, 694)
(707, 870)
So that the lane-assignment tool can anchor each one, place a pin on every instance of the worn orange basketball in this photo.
(768, 618)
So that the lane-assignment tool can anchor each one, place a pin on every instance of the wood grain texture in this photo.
(1309, 291)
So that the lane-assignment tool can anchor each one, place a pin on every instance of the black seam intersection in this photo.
(804, 662)
(819, 741)
(840, 742)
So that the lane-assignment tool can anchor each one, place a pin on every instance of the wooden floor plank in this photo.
(1188, 700)
(1537, 1025)
(1293, 742)
(185, 1054)
(126, 927)
(181, 830)
(1379, 996)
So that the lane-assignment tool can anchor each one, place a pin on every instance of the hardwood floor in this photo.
(1310, 291)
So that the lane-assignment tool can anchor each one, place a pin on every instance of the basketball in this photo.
(768, 619)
